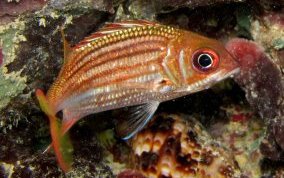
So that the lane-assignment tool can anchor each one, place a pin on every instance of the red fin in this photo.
(69, 119)
(61, 145)
(116, 26)
(67, 124)
(60, 142)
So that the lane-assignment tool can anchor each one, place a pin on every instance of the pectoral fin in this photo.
(135, 119)
(69, 119)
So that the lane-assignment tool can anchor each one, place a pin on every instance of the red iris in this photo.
(205, 60)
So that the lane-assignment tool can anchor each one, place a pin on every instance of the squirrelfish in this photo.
(131, 63)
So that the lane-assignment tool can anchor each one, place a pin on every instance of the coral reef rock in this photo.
(174, 147)
(262, 81)
(259, 77)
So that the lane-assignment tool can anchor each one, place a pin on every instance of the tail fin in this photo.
(60, 142)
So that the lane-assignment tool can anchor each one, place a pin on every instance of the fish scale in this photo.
(134, 63)
(87, 47)
(79, 76)
(103, 69)
(114, 49)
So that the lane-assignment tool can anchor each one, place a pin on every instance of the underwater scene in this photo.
(142, 88)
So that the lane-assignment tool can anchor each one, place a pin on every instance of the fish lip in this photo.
(230, 74)
(222, 75)
(209, 82)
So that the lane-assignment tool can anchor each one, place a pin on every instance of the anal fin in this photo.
(135, 119)
(69, 119)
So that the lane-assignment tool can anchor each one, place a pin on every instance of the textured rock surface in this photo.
(31, 48)
(32, 51)
(10, 9)
(262, 77)
(1, 57)
(241, 132)
(176, 146)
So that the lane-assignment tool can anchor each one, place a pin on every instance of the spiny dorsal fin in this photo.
(116, 26)
(135, 119)
(126, 24)
(66, 45)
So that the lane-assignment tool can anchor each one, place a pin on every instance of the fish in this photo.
(132, 63)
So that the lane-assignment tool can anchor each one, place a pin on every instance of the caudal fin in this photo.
(60, 142)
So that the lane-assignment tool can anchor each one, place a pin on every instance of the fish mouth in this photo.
(220, 76)
(223, 75)
(210, 81)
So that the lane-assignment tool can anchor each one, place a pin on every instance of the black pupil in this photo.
(205, 60)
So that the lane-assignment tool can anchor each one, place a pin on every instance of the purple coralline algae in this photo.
(262, 81)
(259, 77)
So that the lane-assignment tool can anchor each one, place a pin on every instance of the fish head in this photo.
(208, 62)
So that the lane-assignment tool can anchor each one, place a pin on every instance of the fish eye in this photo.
(205, 60)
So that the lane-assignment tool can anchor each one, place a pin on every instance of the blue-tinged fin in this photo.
(135, 119)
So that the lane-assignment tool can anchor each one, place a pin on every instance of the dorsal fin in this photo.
(125, 24)
(116, 26)
(66, 46)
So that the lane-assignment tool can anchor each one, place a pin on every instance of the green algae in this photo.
(11, 83)
(243, 18)
(278, 43)
(107, 138)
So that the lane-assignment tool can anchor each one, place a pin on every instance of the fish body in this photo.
(134, 63)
